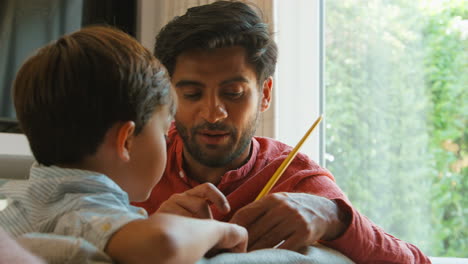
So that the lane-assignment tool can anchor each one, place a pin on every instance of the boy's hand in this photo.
(169, 238)
(234, 238)
(196, 202)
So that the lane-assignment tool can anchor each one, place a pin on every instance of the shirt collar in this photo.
(41, 171)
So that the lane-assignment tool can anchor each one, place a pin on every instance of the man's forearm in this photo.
(364, 242)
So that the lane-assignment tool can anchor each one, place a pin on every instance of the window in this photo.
(396, 83)
(391, 78)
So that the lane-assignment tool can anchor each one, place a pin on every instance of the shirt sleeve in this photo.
(363, 241)
(97, 219)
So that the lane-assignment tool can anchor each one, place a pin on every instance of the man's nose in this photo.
(213, 110)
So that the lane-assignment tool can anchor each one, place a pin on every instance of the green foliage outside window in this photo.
(396, 84)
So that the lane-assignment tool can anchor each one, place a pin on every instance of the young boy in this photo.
(95, 106)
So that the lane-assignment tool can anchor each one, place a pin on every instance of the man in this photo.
(221, 58)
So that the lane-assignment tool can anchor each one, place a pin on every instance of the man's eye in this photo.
(234, 95)
(192, 96)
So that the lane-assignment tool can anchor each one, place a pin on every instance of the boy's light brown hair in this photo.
(73, 90)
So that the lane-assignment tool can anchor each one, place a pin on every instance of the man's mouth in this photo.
(212, 137)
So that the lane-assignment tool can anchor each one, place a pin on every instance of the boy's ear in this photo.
(125, 139)
(266, 94)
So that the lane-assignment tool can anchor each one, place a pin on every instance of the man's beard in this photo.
(228, 153)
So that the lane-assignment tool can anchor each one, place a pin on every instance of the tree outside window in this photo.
(396, 85)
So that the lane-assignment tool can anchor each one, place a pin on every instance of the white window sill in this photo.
(437, 260)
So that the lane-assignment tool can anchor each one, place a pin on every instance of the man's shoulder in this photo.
(266, 143)
(272, 152)
(276, 149)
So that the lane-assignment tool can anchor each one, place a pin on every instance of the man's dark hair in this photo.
(73, 90)
(218, 25)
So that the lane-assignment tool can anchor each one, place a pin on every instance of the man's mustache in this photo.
(215, 127)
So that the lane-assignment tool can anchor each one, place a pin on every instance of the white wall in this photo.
(15, 157)
(14, 144)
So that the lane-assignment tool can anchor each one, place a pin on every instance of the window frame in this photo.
(299, 72)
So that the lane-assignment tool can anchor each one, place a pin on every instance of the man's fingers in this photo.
(182, 204)
(295, 242)
(212, 194)
(273, 237)
(249, 214)
(196, 206)
(196, 202)
(176, 210)
(263, 225)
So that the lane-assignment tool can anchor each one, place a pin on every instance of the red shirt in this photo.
(363, 241)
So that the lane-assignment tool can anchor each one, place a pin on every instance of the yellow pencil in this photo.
(287, 161)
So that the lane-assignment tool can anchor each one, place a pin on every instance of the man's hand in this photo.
(297, 218)
(196, 202)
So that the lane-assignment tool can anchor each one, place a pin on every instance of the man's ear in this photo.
(125, 136)
(266, 94)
